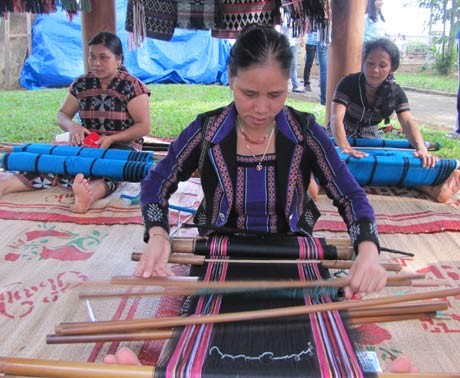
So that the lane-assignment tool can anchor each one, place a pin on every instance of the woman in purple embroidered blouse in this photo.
(255, 158)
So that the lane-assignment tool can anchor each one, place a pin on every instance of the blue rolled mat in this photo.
(119, 170)
(386, 143)
(393, 167)
(87, 152)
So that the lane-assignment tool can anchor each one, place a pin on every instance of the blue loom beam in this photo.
(119, 170)
(400, 168)
(87, 152)
(388, 143)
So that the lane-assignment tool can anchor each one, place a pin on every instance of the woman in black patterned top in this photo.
(110, 102)
(362, 100)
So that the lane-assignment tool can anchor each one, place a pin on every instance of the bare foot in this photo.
(401, 365)
(124, 356)
(444, 191)
(83, 194)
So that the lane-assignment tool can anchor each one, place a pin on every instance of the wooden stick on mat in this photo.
(401, 311)
(30, 367)
(167, 322)
(61, 369)
(185, 258)
(181, 286)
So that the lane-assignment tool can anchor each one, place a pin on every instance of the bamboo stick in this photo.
(167, 322)
(377, 314)
(62, 369)
(402, 311)
(390, 318)
(182, 258)
(110, 337)
(178, 286)
(194, 283)
(398, 309)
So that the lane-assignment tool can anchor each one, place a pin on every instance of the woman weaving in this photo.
(110, 102)
(255, 158)
(362, 100)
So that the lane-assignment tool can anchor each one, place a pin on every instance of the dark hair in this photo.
(255, 45)
(384, 44)
(372, 12)
(109, 41)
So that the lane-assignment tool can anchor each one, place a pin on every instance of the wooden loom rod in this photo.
(30, 367)
(61, 369)
(165, 286)
(422, 305)
(183, 258)
(166, 333)
(194, 283)
(391, 318)
(167, 322)
(142, 335)
(402, 311)
(187, 245)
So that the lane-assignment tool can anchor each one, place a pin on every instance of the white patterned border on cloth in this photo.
(198, 14)
(160, 18)
(238, 14)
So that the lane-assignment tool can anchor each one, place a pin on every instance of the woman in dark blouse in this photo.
(110, 102)
(362, 100)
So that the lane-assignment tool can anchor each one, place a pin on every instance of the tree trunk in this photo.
(102, 17)
(347, 30)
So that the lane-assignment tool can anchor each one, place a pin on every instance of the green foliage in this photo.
(444, 63)
(426, 80)
(29, 116)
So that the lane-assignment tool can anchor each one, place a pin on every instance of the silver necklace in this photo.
(259, 165)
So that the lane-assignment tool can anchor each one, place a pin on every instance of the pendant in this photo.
(259, 167)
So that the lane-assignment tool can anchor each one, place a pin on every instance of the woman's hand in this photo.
(105, 141)
(154, 260)
(355, 153)
(367, 275)
(76, 134)
(428, 160)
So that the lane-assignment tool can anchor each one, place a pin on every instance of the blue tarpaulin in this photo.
(191, 57)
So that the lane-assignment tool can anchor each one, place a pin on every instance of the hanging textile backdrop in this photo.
(191, 57)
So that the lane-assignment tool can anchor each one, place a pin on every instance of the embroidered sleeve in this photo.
(153, 214)
(162, 181)
(364, 230)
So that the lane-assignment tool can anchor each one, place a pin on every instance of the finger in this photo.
(382, 283)
(348, 292)
(140, 267)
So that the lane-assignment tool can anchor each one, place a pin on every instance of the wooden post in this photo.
(102, 17)
(7, 59)
(344, 56)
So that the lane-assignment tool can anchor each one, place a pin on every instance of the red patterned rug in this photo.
(398, 210)
(53, 205)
